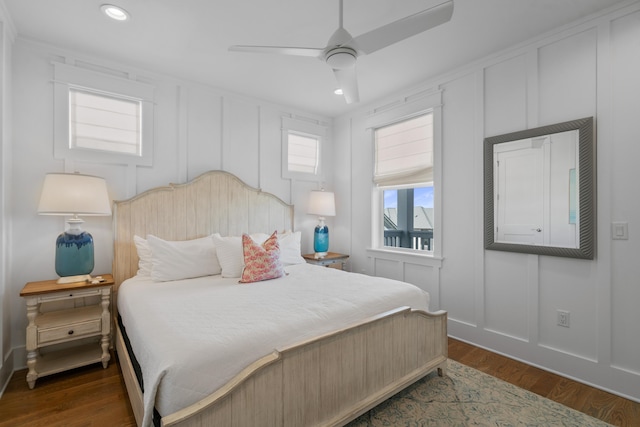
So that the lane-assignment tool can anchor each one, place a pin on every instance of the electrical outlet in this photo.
(563, 318)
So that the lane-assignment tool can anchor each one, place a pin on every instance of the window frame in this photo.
(307, 129)
(428, 102)
(67, 77)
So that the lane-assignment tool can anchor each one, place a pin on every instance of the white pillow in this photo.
(182, 259)
(229, 251)
(144, 256)
(290, 252)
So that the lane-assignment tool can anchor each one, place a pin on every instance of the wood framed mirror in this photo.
(540, 190)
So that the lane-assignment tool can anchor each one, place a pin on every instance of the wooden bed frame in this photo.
(328, 380)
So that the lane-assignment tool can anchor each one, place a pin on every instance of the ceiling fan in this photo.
(342, 50)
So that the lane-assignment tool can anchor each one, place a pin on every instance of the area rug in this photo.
(468, 397)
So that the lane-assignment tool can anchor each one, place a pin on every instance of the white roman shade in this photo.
(303, 153)
(404, 152)
(104, 122)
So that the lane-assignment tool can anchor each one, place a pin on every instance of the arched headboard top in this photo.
(214, 202)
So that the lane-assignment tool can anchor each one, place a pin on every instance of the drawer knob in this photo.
(70, 332)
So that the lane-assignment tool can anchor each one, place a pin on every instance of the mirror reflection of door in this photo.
(518, 166)
(535, 194)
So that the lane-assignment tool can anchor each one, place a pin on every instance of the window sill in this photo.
(408, 255)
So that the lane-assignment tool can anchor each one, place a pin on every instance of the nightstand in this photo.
(60, 314)
(332, 259)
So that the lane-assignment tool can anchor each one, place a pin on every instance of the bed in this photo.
(342, 344)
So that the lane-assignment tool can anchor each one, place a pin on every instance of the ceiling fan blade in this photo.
(348, 82)
(280, 50)
(404, 28)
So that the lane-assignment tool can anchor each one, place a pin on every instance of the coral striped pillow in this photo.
(261, 262)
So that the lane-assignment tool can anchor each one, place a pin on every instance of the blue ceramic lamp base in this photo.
(74, 254)
(321, 240)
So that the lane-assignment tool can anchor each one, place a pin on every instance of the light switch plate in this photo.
(620, 231)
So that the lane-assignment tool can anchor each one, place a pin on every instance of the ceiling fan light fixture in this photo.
(115, 12)
(341, 58)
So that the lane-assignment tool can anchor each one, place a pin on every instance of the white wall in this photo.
(7, 36)
(197, 128)
(508, 301)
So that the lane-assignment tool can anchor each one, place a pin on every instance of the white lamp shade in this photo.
(74, 194)
(322, 203)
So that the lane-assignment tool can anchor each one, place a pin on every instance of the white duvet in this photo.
(192, 336)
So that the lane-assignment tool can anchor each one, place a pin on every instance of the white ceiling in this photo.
(189, 39)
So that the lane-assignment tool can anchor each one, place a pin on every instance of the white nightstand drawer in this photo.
(68, 295)
(66, 332)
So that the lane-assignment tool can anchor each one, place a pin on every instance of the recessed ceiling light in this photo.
(338, 92)
(115, 12)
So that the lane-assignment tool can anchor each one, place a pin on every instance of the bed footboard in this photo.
(329, 380)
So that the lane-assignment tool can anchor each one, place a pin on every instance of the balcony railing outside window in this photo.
(416, 239)
(408, 223)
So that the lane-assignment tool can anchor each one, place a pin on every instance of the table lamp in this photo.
(73, 194)
(321, 203)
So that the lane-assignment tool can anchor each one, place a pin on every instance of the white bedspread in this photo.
(192, 336)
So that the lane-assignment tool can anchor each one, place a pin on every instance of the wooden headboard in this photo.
(215, 201)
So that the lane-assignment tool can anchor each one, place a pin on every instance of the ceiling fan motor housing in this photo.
(340, 58)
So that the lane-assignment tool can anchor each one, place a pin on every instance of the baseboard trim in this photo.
(6, 371)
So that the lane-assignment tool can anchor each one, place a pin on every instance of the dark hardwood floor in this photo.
(92, 396)
(83, 397)
(597, 403)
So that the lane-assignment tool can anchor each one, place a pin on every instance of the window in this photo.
(406, 188)
(104, 122)
(408, 217)
(100, 117)
(302, 149)
(404, 174)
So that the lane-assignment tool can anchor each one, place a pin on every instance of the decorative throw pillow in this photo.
(176, 260)
(261, 262)
(229, 251)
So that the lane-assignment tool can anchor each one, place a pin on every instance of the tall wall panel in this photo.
(625, 206)
(204, 129)
(567, 78)
(459, 215)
